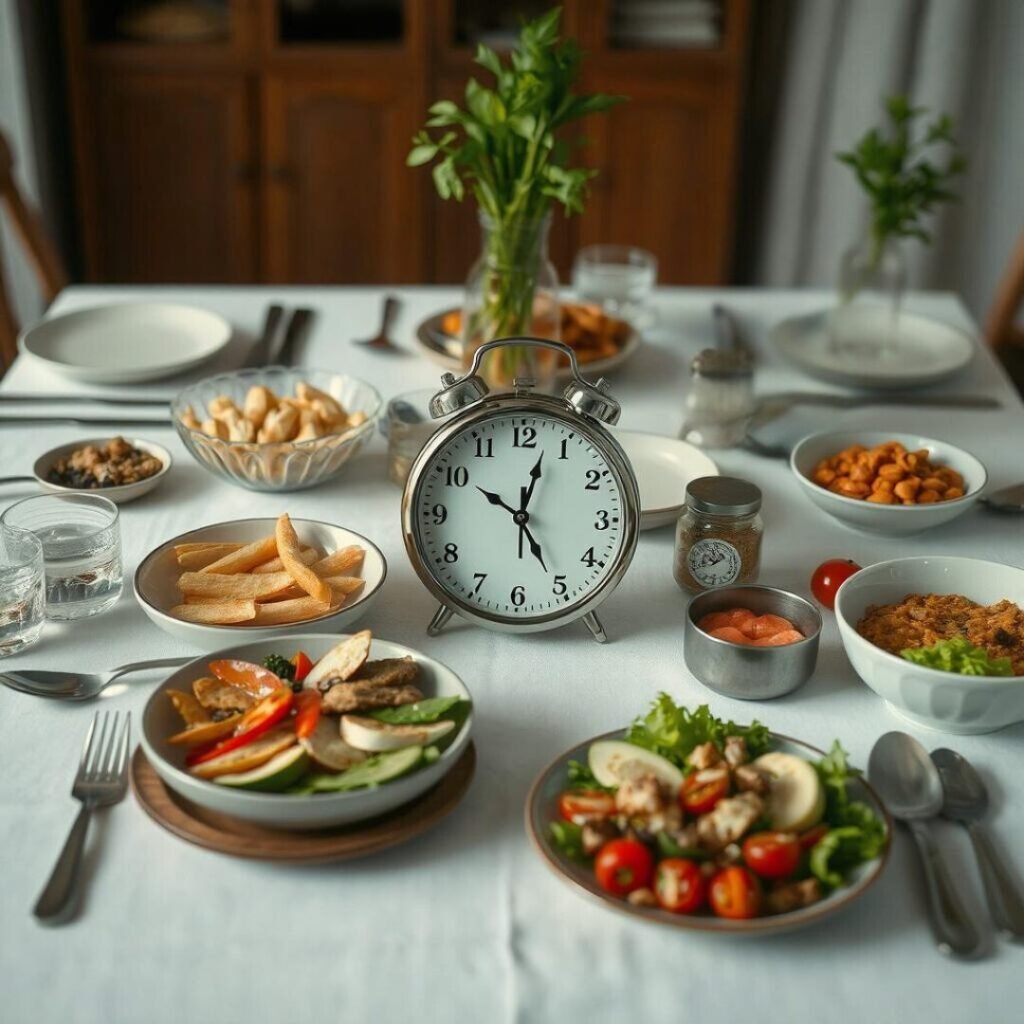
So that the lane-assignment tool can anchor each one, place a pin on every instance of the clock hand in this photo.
(534, 546)
(495, 499)
(526, 493)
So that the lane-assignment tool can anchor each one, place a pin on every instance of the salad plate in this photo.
(309, 798)
(546, 825)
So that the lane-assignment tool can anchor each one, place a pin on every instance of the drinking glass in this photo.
(408, 426)
(22, 594)
(81, 541)
(619, 279)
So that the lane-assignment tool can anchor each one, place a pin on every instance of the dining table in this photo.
(466, 922)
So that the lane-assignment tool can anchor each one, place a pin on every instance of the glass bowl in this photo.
(277, 465)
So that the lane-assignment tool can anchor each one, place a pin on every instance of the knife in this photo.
(16, 397)
(728, 332)
(296, 331)
(889, 398)
(259, 354)
(111, 421)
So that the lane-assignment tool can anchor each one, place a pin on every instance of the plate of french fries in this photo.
(276, 428)
(259, 577)
(601, 342)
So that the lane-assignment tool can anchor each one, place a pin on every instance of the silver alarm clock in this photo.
(521, 513)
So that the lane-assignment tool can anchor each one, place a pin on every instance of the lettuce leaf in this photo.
(568, 839)
(581, 777)
(423, 711)
(960, 656)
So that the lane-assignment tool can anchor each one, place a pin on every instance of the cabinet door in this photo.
(173, 184)
(341, 206)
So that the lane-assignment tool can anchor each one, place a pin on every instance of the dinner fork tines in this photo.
(101, 780)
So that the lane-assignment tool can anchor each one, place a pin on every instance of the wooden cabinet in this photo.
(275, 150)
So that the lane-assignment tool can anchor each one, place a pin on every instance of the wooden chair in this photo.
(41, 252)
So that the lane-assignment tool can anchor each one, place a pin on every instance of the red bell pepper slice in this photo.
(303, 665)
(307, 712)
(255, 722)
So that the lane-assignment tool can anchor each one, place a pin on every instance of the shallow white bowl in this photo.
(887, 520)
(157, 574)
(119, 495)
(316, 810)
(928, 697)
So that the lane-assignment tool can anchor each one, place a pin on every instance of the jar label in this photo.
(714, 562)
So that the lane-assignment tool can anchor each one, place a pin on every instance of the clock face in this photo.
(519, 516)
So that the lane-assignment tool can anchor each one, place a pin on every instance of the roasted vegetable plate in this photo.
(701, 823)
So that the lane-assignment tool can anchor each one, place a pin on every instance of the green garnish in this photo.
(581, 777)
(958, 655)
(420, 713)
(281, 667)
(568, 838)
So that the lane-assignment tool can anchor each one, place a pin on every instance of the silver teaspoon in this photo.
(965, 800)
(75, 685)
(1007, 499)
(903, 774)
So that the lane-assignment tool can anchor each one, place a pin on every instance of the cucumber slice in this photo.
(613, 761)
(375, 771)
(366, 733)
(275, 775)
(796, 797)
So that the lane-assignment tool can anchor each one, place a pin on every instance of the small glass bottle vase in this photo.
(872, 279)
(512, 289)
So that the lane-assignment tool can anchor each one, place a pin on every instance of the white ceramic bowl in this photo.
(278, 810)
(887, 520)
(928, 697)
(119, 495)
(157, 574)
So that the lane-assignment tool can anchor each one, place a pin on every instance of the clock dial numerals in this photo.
(519, 516)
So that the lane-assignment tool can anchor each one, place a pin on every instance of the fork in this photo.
(101, 780)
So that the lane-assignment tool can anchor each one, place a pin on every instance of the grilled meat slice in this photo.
(596, 833)
(736, 751)
(385, 672)
(729, 820)
(792, 896)
(704, 756)
(751, 779)
(361, 695)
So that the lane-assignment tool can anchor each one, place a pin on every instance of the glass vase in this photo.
(512, 289)
(872, 279)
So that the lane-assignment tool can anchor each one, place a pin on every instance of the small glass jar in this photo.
(718, 536)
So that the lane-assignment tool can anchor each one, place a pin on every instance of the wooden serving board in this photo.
(224, 833)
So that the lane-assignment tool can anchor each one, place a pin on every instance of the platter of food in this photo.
(259, 577)
(689, 821)
(309, 731)
(601, 342)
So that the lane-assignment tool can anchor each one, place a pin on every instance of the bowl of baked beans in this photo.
(890, 484)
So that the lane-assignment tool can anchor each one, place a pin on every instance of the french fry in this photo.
(340, 562)
(344, 585)
(278, 613)
(219, 613)
(245, 558)
(308, 556)
(192, 712)
(200, 559)
(290, 550)
(209, 545)
(205, 733)
(235, 587)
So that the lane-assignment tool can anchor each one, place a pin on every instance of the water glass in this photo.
(22, 594)
(408, 426)
(619, 279)
(81, 540)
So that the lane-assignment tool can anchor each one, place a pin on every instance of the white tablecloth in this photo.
(466, 924)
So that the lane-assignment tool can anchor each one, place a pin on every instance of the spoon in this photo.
(1008, 499)
(381, 341)
(76, 685)
(966, 801)
(909, 784)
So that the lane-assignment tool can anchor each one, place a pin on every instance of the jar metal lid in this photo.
(723, 496)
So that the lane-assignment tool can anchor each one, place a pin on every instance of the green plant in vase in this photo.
(906, 173)
(503, 147)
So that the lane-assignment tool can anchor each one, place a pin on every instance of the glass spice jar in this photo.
(718, 536)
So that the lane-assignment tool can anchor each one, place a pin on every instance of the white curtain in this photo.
(841, 58)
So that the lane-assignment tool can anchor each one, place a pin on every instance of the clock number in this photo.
(479, 577)
(440, 514)
(457, 475)
(524, 437)
(588, 558)
(559, 588)
(602, 519)
(565, 442)
(593, 480)
(484, 448)
(518, 596)
(451, 553)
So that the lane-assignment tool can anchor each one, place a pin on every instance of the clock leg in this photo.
(593, 623)
(440, 619)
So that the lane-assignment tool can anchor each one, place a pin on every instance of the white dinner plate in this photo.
(663, 467)
(926, 351)
(126, 343)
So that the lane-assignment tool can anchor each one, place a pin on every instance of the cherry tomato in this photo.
(735, 893)
(580, 805)
(680, 886)
(307, 712)
(772, 854)
(302, 665)
(623, 865)
(812, 836)
(698, 797)
(828, 578)
(259, 719)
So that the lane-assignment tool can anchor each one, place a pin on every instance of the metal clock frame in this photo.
(523, 403)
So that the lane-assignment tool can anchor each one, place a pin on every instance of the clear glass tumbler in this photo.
(81, 540)
(22, 593)
(408, 426)
(618, 278)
